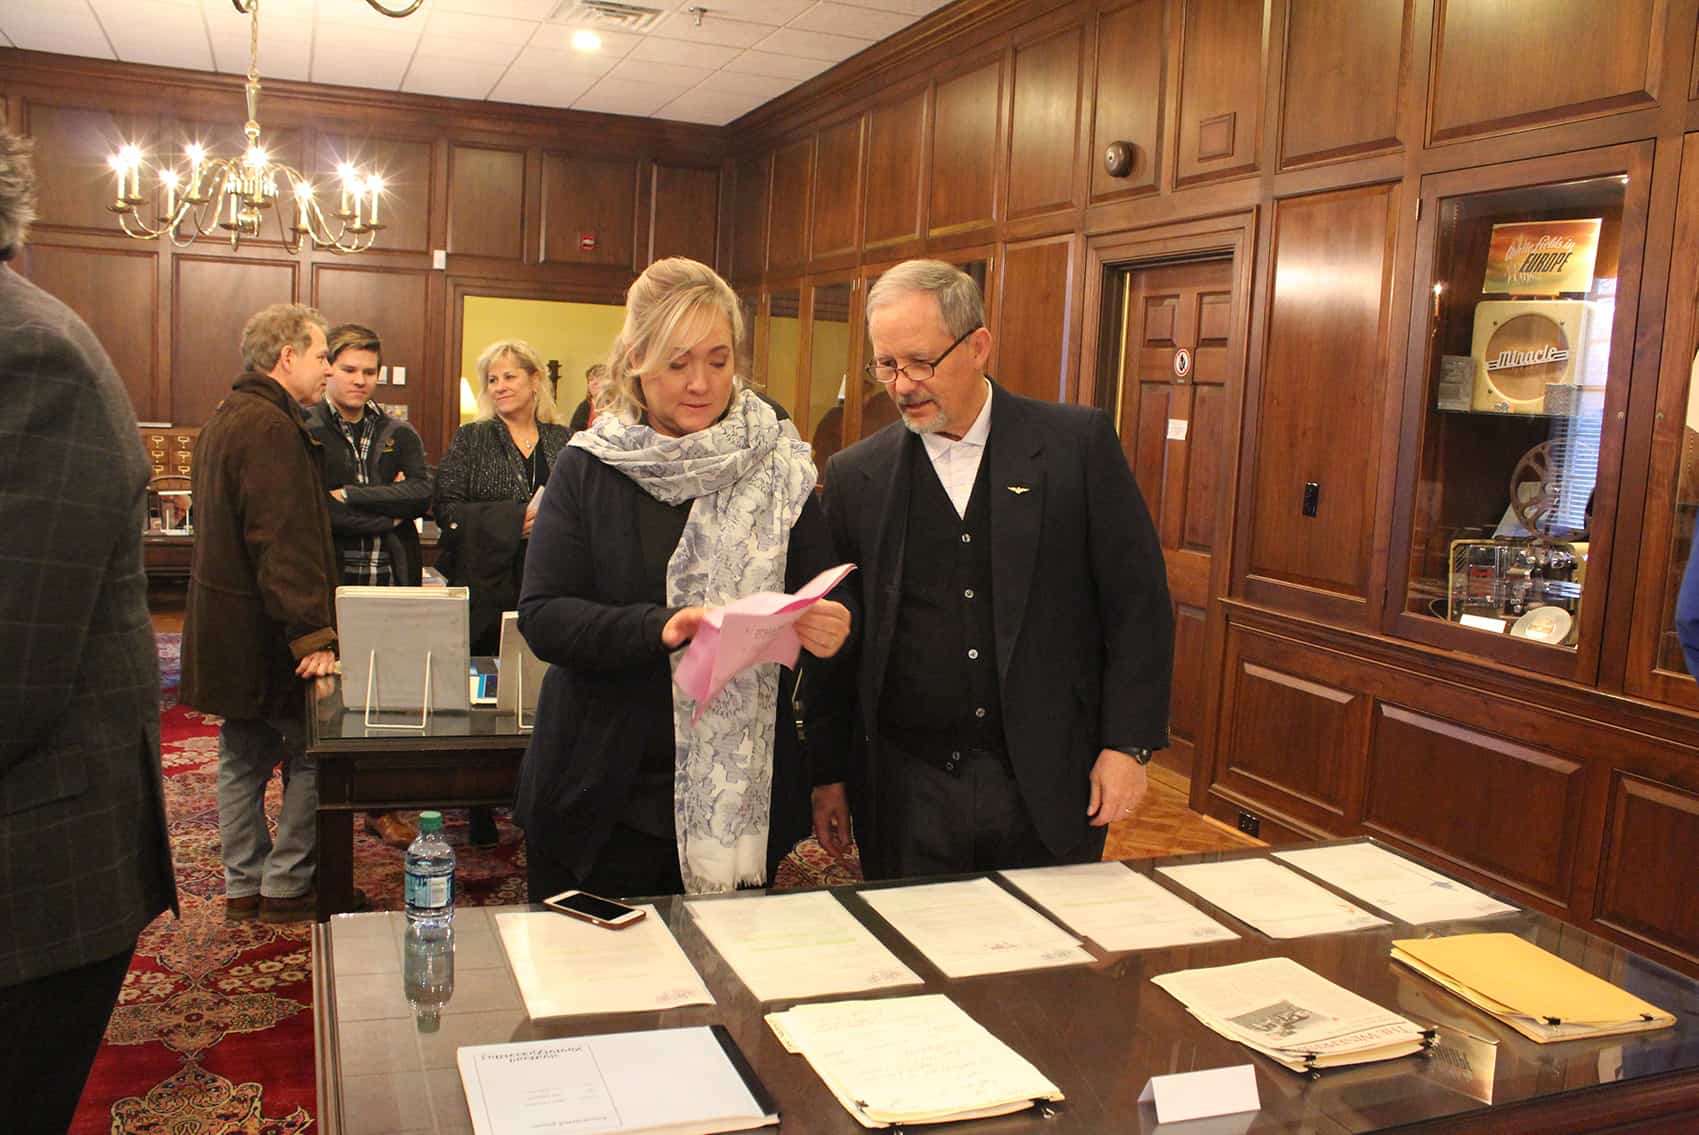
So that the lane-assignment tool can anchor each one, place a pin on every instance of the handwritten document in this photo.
(757, 628)
(676, 1080)
(1279, 902)
(787, 947)
(910, 1060)
(565, 967)
(1403, 889)
(1117, 908)
(975, 927)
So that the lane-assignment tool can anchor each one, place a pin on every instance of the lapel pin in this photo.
(1019, 489)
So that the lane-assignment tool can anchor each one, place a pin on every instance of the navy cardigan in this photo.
(582, 610)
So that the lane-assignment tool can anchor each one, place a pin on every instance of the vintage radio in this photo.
(1523, 347)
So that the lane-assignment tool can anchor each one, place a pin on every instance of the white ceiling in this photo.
(745, 52)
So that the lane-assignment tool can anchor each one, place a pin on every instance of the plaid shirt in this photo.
(365, 560)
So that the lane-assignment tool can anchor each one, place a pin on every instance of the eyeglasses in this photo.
(919, 371)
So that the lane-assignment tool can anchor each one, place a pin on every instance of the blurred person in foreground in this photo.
(379, 485)
(85, 861)
(688, 493)
(260, 617)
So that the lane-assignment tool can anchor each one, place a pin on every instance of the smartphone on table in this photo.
(594, 908)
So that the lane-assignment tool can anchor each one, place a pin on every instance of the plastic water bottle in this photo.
(427, 973)
(430, 876)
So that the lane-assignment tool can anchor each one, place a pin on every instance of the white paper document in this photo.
(1407, 891)
(673, 1080)
(1115, 907)
(568, 968)
(787, 947)
(975, 927)
(910, 1060)
(1279, 902)
(1287, 1012)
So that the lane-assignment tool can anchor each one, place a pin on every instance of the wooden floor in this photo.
(1163, 825)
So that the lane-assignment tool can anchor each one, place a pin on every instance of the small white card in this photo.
(1177, 429)
(1482, 623)
(1200, 1095)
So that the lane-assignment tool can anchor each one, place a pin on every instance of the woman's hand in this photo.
(823, 628)
(681, 628)
(832, 819)
(530, 519)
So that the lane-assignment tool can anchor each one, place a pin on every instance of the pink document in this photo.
(757, 628)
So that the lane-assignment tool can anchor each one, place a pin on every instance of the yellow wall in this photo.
(784, 361)
(578, 335)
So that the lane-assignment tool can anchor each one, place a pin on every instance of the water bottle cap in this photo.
(430, 822)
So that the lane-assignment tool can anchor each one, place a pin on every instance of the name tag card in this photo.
(1202, 1095)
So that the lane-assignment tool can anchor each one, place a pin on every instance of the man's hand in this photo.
(400, 475)
(681, 628)
(1118, 783)
(832, 819)
(823, 628)
(318, 664)
(339, 495)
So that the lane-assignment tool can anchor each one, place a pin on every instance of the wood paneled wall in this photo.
(1319, 125)
(552, 205)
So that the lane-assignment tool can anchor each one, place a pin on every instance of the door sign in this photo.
(1182, 362)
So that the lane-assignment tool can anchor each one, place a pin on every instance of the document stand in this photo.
(519, 705)
(371, 680)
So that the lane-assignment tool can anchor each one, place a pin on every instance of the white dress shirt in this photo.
(957, 462)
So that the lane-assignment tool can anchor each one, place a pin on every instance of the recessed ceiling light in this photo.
(585, 40)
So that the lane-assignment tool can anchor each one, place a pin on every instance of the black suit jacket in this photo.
(1084, 631)
(84, 858)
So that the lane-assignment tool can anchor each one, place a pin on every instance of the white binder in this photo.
(404, 649)
(521, 681)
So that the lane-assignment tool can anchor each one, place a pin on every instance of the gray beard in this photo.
(939, 421)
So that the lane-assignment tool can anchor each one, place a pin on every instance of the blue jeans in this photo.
(248, 749)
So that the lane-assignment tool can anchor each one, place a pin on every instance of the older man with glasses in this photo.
(1014, 666)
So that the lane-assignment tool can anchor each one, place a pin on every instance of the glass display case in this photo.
(784, 349)
(1525, 345)
(831, 358)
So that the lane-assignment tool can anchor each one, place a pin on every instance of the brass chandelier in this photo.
(233, 195)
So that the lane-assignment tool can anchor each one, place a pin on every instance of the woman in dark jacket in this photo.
(487, 483)
(686, 494)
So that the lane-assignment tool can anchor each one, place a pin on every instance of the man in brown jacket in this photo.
(259, 617)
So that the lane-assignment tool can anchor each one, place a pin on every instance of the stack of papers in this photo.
(788, 947)
(1279, 902)
(1407, 891)
(566, 967)
(1292, 1015)
(975, 927)
(1536, 993)
(1117, 908)
(910, 1060)
(680, 1081)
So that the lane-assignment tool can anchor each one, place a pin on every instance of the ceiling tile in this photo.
(359, 24)
(517, 9)
(617, 96)
(276, 11)
(354, 64)
(738, 82)
(48, 25)
(709, 108)
(705, 55)
(556, 90)
(464, 25)
(845, 19)
(662, 74)
(775, 12)
(157, 33)
(766, 63)
(558, 37)
(451, 77)
(279, 59)
(812, 45)
(728, 33)
(542, 60)
(471, 50)
(915, 8)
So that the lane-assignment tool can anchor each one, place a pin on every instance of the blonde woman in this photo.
(687, 493)
(492, 470)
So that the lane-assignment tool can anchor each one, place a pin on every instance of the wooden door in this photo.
(1175, 413)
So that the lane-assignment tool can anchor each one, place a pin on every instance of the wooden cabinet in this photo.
(750, 177)
(1221, 89)
(589, 210)
(896, 136)
(966, 140)
(837, 191)
(1044, 125)
(787, 215)
(1128, 106)
(1030, 347)
(486, 201)
(1345, 64)
(684, 208)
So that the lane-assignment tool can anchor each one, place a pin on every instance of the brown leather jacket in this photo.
(263, 577)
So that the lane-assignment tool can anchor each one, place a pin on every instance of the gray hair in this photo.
(958, 296)
(273, 328)
(17, 189)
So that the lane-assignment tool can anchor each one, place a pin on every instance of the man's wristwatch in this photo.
(1140, 755)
